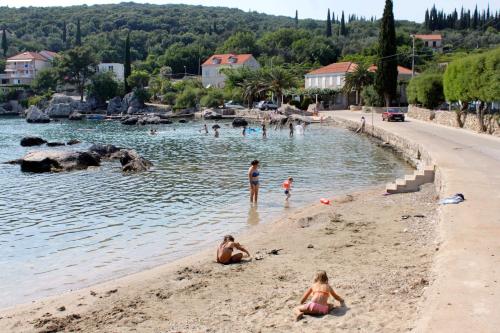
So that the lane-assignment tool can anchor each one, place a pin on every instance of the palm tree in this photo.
(277, 80)
(357, 80)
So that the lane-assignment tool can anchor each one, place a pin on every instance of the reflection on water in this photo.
(67, 230)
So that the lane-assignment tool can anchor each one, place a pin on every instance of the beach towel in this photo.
(455, 199)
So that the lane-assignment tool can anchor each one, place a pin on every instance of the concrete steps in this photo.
(411, 183)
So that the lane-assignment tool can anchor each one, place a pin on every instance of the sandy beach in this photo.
(377, 250)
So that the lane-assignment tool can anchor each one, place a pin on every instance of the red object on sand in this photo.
(324, 201)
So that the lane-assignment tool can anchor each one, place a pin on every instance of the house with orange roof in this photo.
(23, 67)
(434, 42)
(211, 69)
(333, 77)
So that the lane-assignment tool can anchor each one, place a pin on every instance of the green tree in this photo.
(328, 24)
(386, 78)
(64, 33)
(103, 86)
(343, 29)
(358, 80)
(213, 99)
(78, 38)
(46, 80)
(277, 80)
(474, 78)
(76, 66)
(239, 43)
(138, 79)
(296, 19)
(371, 97)
(426, 89)
(5, 45)
(127, 66)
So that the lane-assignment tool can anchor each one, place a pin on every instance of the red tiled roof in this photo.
(429, 37)
(50, 54)
(401, 69)
(223, 59)
(28, 56)
(338, 67)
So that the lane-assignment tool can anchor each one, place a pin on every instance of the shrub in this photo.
(35, 100)
(371, 97)
(426, 89)
(169, 98)
(103, 86)
(186, 99)
(213, 99)
(142, 95)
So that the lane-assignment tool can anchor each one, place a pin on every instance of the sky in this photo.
(413, 10)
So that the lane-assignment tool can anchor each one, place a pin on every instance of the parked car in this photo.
(393, 115)
(267, 105)
(232, 105)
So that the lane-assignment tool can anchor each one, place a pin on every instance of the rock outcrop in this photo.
(30, 141)
(73, 142)
(55, 144)
(76, 116)
(35, 115)
(131, 161)
(239, 122)
(11, 108)
(114, 106)
(130, 120)
(104, 151)
(56, 161)
(59, 110)
(61, 106)
(131, 104)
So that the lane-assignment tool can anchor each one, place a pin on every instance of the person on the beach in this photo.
(264, 130)
(287, 186)
(244, 130)
(253, 178)
(291, 129)
(361, 128)
(225, 251)
(320, 291)
(216, 132)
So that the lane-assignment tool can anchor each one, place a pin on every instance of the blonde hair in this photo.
(321, 277)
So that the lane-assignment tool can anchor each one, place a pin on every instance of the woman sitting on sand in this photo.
(320, 291)
(225, 251)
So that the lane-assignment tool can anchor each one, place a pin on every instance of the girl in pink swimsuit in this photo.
(320, 292)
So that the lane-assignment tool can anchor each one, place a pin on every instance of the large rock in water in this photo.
(30, 141)
(60, 110)
(55, 161)
(127, 120)
(103, 151)
(35, 115)
(75, 116)
(11, 108)
(149, 120)
(114, 106)
(239, 122)
(131, 161)
(131, 104)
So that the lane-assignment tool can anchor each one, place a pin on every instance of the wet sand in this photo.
(377, 251)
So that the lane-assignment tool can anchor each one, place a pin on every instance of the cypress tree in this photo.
(343, 30)
(386, 79)
(127, 69)
(426, 21)
(78, 38)
(475, 19)
(328, 25)
(5, 44)
(64, 32)
(296, 18)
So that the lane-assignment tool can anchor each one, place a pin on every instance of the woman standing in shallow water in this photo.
(253, 178)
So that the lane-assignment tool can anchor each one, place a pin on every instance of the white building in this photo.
(333, 77)
(116, 68)
(434, 42)
(211, 68)
(23, 67)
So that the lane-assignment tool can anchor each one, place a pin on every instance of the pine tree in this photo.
(5, 44)
(78, 38)
(328, 25)
(64, 33)
(127, 69)
(343, 30)
(386, 78)
(296, 18)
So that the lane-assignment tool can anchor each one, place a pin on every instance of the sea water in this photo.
(61, 231)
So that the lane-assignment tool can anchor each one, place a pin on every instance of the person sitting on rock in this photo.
(225, 251)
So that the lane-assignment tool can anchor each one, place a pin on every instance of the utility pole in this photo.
(413, 57)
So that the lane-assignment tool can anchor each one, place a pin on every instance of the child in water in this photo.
(320, 291)
(287, 186)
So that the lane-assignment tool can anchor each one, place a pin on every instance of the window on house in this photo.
(25, 65)
(339, 80)
(434, 44)
(110, 68)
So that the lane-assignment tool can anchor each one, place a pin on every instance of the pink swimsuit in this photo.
(317, 308)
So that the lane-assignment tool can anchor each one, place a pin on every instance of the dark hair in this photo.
(228, 238)
(255, 162)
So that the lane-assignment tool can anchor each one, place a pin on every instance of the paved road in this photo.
(465, 296)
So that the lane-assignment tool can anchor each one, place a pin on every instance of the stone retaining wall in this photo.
(448, 118)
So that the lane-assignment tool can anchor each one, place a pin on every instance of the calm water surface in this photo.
(68, 230)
